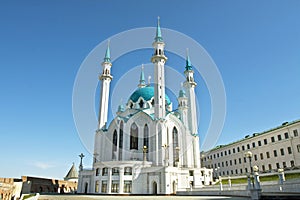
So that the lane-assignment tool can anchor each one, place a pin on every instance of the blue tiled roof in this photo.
(146, 93)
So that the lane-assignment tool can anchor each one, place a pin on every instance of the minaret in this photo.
(183, 107)
(105, 78)
(159, 60)
(142, 79)
(189, 86)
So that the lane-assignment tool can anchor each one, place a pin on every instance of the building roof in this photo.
(72, 174)
(146, 93)
(247, 137)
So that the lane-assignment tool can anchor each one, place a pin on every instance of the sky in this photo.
(254, 44)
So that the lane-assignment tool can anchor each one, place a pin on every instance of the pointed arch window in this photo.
(141, 103)
(121, 140)
(114, 147)
(134, 137)
(175, 146)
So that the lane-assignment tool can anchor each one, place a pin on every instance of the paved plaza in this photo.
(91, 197)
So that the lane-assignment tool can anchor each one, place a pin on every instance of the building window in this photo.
(259, 143)
(230, 162)
(97, 186)
(248, 146)
(104, 171)
(128, 171)
(268, 154)
(286, 135)
(298, 148)
(229, 152)
(292, 163)
(261, 156)
(240, 160)
(265, 141)
(284, 164)
(104, 187)
(114, 147)
(175, 146)
(282, 152)
(246, 170)
(277, 165)
(243, 148)
(253, 144)
(226, 163)
(235, 161)
(272, 139)
(270, 167)
(115, 171)
(289, 150)
(279, 137)
(263, 168)
(255, 157)
(222, 164)
(225, 153)
(221, 154)
(115, 186)
(218, 155)
(134, 137)
(214, 155)
(245, 160)
(275, 153)
(191, 173)
(97, 172)
(238, 149)
(295, 133)
(127, 186)
(241, 170)
(233, 150)
(236, 171)
(121, 141)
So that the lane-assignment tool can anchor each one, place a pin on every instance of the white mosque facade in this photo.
(148, 148)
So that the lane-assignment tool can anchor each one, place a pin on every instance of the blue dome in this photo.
(146, 93)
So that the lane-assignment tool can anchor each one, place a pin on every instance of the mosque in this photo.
(149, 147)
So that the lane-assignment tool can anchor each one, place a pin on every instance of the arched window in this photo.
(175, 146)
(146, 138)
(134, 137)
(121, 141)
(141, 103)
(114, 147)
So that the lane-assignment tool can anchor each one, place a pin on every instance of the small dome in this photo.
(146, 93)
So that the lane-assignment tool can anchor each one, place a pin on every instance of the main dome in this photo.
(146, 93)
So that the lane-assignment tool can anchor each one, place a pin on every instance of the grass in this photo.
(28, 196)
(261, 178)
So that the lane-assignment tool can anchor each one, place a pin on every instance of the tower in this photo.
(142, 82)
(159, 60)
(183, 107)
(105, 79)
(189, 86)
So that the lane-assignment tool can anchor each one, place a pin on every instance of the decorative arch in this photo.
(175, 146)
(121, 140)
(134, 132)
(114, 147)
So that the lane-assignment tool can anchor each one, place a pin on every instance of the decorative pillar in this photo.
(121, 183)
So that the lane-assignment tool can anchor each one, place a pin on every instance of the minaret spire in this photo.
(105, 78)
(142, 78)
(158, 37)
(159, 59)
(188, 65)
(107, 53)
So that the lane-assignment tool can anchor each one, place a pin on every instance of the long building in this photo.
(272, 149)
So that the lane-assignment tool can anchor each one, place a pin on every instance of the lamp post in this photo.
(177, 157)
(281, 178)
(165, 146)
(248, 155)
(145, 153)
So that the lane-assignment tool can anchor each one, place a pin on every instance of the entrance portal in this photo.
(154, 188)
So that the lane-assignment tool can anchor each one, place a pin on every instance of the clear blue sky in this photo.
(255, 44)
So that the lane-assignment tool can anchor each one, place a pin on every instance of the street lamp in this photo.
(165, 146)
(145, 153)
(248, 155)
